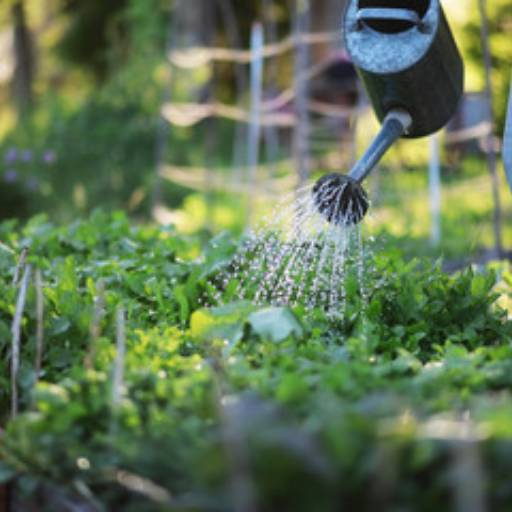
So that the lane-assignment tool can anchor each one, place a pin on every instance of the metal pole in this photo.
(491, 154)
(235, 40)
(301, 142)
(435, 189)
(163, 129)
(507, 141)
(271, 133)
(254, 135)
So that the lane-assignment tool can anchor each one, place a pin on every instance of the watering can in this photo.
(406, 57)
(408, 61)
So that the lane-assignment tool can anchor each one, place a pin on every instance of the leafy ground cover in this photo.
(405, 405)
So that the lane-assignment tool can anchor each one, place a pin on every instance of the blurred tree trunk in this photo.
(24, 60)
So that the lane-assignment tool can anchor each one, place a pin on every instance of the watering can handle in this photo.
(388, 14)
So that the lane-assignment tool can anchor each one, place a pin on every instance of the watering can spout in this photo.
(341, 199)
(395, 125)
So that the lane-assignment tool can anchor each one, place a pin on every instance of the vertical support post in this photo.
(254, 135)
(24, 58)
(507, 141)
(209, 17)
(40, 323)
(16, 339)
(271, 133)
(235, 40)
(491, 153)
(163, 129)
(118, 372)
(301, 142)
(435, 189)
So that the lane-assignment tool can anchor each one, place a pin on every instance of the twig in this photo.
(117, 379)
(99, 311)
(20, 266)
(40, 323)
(16, 338)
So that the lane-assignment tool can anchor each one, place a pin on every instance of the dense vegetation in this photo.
(405, 405)
(143, 383)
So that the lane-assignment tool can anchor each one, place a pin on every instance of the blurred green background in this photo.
(83, 84)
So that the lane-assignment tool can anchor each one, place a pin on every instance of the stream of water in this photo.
(297, 257)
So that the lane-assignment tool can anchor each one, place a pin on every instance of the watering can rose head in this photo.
(340, 199)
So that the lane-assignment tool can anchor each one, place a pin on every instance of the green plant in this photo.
(260, 406)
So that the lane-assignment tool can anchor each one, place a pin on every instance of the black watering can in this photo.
(412, 70)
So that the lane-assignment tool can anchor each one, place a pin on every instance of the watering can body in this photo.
(407, 58)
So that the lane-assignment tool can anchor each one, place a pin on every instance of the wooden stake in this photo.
(254, 137)
(491, 154)
(271, 133)
(40, 323)
(302, 130)
(16, 340)
(164, 128)
(507, 141)
(20, 266)
(99, 312)
(435, 189)
(118, 376)
(235, 41)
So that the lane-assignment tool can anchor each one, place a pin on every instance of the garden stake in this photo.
(20, 266)
(507, 142)
(118, 369)
(40, 322)
(413, 73)
(117, 379)
(490, 150)
(99, 312)
(16, 339)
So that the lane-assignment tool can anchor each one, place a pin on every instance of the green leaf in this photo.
(181, 297)
(59, 326)
(225, 322)
(275, 324)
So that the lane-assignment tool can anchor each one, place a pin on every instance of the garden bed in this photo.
(403, 405)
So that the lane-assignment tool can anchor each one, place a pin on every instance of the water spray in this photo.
(413, 73)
